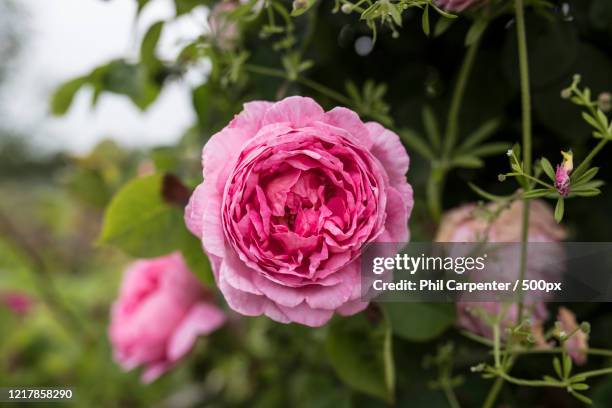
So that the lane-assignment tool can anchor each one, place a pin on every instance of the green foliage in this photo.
(420, 321)
(360, 350)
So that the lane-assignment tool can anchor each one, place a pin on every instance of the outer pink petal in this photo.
(249, 304)
(194, 212)
(238, 275)
(299, 111)
(154, 371)
(213, 237)
(348, 120)
(352, 307)
(220, 154)
(282, 295)
(202, 319)
(332, 297)
(250, 118)
(306, 315)
(388, 149)
(398, 211)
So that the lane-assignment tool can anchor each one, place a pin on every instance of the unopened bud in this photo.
(585, 327)
(346, 8)
(604, 101)
(566, 93)
(501, 177)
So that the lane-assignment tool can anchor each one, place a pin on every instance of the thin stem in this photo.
(277, 73)
(595, 373)
(452, 125)
(526, 118)
(585, 163)
(453, 402)
(493, 393)
(529, 383)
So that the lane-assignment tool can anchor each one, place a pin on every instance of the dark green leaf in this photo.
(559, 210)
(442, 25)
(140, 222)
(482, 133)
(197, 260)
(425, 21)
(476, 30)
(490, 149)
(414, 141)
(431, 127)
(419, 321)
(149, 45)
(468, 162)
(360, 351)
(486, 195)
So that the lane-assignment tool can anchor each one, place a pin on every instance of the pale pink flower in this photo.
(578, 342)
(160, 312)
(457, 5)
(291, 194)
(224, 31)
(469, 224)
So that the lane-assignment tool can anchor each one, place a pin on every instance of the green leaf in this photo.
(301, 6)
(536, 193)
(567, 365)
(591, 120)
(548, 168)
(486, 195)
(419, 321)
(64, 94)
(140, 222)
(559, 210)
(490, 149)
(468, 162)
(360, 351)
(442, 25)
(586, 176)
(431, 127)
(197, 260)
(414, 141)
(476, 31)
(185, 6)
(148, 46)
(557, 367)
(425, 21)
(590, 192)
(581, 397)
(486, 130)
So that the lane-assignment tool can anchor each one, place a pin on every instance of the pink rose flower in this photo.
(291, 194)
(160, 312)
(465, 224)
(457, 5)
(578, 342)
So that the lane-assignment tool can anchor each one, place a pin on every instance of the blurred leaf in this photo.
(490, 149)
(536, 193)
(414, 141)
(185, 6)
(486, 130)
(360, 351)
(476, 30)
(586, 176)
(425, 21)
(197, 260)
(431, 127)
(140, 222)
(64, 94)
(468, 162)
(148, 46)
(89, 186)
(488, 196)
(442, 25)
(419, 321)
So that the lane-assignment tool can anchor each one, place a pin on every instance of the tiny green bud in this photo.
(566, 93)
(501, 177)
(346, 8)
(477, 368)
(585, 327)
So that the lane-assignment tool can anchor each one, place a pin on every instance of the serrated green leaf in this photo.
(140, 222)
(360, 351)
(548, 168)
(419, 321)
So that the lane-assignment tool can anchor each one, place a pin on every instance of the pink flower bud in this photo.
(562, 179)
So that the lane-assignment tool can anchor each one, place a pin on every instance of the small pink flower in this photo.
(160, 312)
(17, 302)
(562, 179)
(578, 342)
(224, 31)
(457, 5)
(465, 224)
(291, 194)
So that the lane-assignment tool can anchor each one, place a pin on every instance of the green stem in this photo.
(526, 119)
(595, 373)
(493, 393)
(452, 125)
(585, 163)
(277, 73)
(529, 383)
(453, 402)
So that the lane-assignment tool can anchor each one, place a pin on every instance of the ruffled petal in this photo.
(299, 111)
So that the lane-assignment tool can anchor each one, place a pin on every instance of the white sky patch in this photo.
(68, 38)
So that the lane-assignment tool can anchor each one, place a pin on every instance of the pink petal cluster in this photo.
(457, 5)
(562, 175)
(17, 302)
(291, 194)
(160, 312)
(465, 224)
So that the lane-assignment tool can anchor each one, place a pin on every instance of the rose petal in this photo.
(202, 319)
